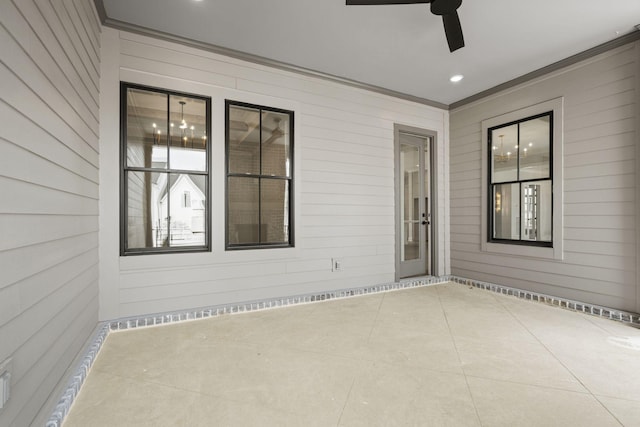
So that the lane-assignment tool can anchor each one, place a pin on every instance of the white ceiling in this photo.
(398, 47)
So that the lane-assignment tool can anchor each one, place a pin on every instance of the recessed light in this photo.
(456, 78)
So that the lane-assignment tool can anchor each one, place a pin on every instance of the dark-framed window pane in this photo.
(165, 173)
(274, 212)
(187, 205)
(243, 133)
(536, 211)
(504, 156)
(259, 161)
(535, 153)
(243, 210)
(188, 129)
(276, 153)
(506, 199)
(147, 216)
(146, 131)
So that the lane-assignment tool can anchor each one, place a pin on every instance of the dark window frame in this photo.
(124, 169)
(260, 177)
(490, 188)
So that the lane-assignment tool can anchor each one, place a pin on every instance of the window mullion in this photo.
(520, 200)
(260, 182)
(168, 172)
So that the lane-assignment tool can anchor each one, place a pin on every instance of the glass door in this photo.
(413, 205)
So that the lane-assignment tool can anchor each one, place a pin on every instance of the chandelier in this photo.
(502, 157)
(187, 136)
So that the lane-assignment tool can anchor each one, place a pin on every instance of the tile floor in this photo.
(443, 355)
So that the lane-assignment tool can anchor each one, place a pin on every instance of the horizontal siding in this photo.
(345, 181)
(600, 184)
(49, 104)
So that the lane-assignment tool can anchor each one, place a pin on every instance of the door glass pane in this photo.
(188, 130)
(147, 214)
(410, 206)
(244, 140)
(146, 128)
(243, 198)
(274, 208)
(506, 211)
(427, 185)
(534, 148)
(504, 154)
(536, 211)
(275, 144)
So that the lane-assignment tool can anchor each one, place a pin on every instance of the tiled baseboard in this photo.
(592, 309)
(77, 379)
(104, 328)
(202, 313)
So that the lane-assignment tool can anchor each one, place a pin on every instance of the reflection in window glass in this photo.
(536, 211)
(521, 181)
(146, 129)
(274, 203)
(165, 208)
(188, 133)
(146, 218)
(275, 144)
(535, 151)
(504, 154)
(244, 203)
(243, 140)
(506, 212)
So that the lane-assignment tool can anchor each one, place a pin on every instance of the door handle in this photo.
(425, 222)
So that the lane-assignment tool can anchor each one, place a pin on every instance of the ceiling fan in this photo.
(448, 9)
(276, 133)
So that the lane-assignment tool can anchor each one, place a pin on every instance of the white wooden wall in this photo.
(344, 183)
(601, 119)
(49, 113)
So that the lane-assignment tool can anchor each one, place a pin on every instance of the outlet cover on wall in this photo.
(336, 264)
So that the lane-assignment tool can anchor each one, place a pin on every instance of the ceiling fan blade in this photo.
(453, 31)
(381, 2)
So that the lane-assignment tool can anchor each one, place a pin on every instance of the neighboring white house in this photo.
(187, 207)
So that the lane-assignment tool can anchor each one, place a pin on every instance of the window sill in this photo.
(520, 250)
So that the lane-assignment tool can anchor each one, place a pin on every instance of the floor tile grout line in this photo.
(455, 345)
(607, 409)
(375, 321)
(588, 390)
(551, 353)
(528, 384)
(346, 400)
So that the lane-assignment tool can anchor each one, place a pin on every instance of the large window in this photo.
(520, 181)
(165, 159)
(259, 210)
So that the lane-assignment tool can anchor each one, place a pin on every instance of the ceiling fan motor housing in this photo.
(444, 7)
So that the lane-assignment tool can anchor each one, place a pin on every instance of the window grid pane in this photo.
(520, 181)
(259, 176)
(163, 208)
